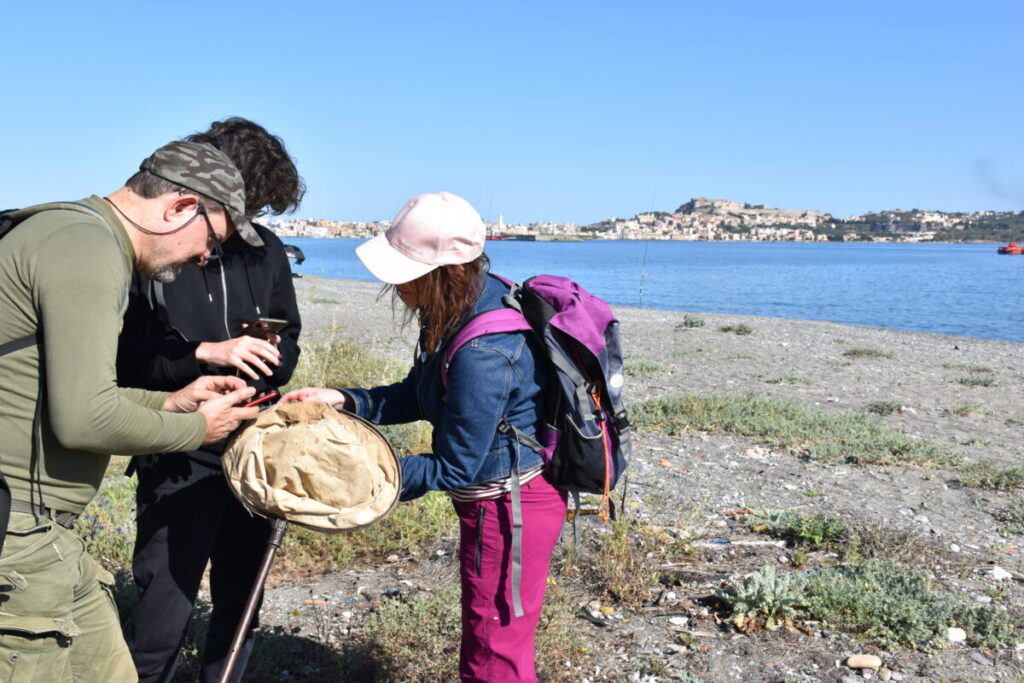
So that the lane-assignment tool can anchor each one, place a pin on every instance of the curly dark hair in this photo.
(272, 183)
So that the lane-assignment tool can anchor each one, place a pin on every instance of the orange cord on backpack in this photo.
(604, 506)
(606, 495)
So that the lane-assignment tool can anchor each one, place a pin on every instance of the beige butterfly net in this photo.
(310, 465)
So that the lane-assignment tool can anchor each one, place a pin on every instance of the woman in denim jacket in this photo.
(433, 257)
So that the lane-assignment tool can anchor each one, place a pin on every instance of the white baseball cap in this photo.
(431, 230)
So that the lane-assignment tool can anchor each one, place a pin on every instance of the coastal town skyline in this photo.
(702, 218)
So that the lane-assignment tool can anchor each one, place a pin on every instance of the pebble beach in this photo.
(962, 393)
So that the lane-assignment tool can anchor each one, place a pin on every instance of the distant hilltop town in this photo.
(722, 219)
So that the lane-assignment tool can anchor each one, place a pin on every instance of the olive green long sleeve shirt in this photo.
(67, 274)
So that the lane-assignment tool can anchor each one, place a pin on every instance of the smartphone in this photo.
(269, 396)
(261, 327)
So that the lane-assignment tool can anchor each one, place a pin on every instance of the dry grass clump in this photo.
(977, 381)
(417, 639)
(866, 353)
(884, 408)
(788, 379)
(968, 367)
(985, 475)
(966, 410)
(626, 560)
(636, 367)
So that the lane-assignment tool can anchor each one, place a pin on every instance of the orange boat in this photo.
(1012, 248)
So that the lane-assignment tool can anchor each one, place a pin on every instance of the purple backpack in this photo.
(585, 438)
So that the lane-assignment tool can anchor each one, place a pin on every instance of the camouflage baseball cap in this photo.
(207, 171)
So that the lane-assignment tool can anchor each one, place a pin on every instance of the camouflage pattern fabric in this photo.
(205, 170)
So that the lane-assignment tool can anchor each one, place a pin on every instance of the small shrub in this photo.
(815, 531)
(884, 408)
(622, 560)
(966, 410)
(742, 356)
(984, 475)
(741, 330)
(896, 607)
(889, 542)
(977, 381)
(322, 300)
(408, 640)
(967, 367)
(866, 353)
(1015, 420)
(762, 599)
(690, 322)
(788, 379)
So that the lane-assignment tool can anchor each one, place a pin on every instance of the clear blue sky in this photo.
(536, 110)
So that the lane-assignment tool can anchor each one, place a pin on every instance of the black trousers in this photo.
(187, 517)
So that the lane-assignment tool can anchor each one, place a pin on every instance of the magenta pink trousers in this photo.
(497, 646)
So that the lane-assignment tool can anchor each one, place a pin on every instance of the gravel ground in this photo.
(706, 474)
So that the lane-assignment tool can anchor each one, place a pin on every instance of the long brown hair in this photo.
(442, 297)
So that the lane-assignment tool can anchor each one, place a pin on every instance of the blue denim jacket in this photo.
(489, 378)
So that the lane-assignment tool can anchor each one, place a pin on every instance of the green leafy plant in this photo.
(897, 607)
(690, 322)
(814, 531)
(762, 599)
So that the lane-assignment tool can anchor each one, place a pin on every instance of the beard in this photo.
(165, 274)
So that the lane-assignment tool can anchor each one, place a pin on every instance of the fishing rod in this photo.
(643, 261)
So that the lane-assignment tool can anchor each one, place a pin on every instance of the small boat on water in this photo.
(1012, 248)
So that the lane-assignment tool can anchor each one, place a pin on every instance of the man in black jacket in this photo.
(172, 334)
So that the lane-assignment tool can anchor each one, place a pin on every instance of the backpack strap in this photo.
(489, 322)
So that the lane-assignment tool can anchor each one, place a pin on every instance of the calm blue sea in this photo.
(961, 289)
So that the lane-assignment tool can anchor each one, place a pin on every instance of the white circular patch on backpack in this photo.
(615, 381)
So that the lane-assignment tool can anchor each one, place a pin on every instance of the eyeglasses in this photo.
(213, 242)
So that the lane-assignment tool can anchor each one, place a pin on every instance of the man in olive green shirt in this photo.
(64, 277)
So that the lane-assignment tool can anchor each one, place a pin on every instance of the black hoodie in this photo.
(165, 323)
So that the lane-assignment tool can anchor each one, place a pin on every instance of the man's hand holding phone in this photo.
(217, 398)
